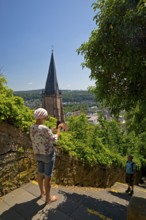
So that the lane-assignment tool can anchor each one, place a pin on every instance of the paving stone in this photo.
(17, 196)
(11, 214)
(32, 189)
(69, 206)
(74, 203)
(53, 214)
(7, 212)
(82, 213)
(23, 203)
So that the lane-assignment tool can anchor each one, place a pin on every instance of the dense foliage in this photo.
(105, 143)
(29, 95)
(116, 53)
(12, 108)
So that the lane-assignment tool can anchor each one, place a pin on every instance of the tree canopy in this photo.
(106, 143)
(12, 108)
(116, 53)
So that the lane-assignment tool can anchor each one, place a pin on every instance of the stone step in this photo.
(75, 203)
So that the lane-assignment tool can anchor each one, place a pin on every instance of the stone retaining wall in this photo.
(70, 171)
(17, 165)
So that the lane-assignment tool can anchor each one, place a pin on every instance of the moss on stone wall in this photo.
(18, 167)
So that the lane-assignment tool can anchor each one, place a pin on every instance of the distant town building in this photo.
(122, 119)
(93, 119)
(51, 96)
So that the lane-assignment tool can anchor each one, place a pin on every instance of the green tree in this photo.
(116, 53)
(12, 108)
(94, 144)
(136, 120)
(79, 126)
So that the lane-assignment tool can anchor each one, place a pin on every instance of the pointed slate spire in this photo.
(51, 83)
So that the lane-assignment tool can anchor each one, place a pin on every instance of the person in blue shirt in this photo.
(130, 174)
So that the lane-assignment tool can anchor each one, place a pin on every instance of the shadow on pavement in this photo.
(21, 211)
(74, 206)
(82, 207)
(121, 195)
(142, 185)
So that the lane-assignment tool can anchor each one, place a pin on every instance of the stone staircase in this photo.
(74, 203)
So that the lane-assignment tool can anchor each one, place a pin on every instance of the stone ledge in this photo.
(136, 209)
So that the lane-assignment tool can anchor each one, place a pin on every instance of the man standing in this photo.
(43, 142)
(130, 174)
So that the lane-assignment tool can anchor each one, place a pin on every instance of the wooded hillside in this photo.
(67, 95)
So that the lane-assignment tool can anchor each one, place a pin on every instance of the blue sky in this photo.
(29, 29)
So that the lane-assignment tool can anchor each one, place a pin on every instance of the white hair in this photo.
(40, 113)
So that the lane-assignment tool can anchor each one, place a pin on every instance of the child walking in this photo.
(130, 174)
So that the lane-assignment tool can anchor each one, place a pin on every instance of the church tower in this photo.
(51, 96)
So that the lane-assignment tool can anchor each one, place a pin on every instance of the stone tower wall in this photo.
(53, 104)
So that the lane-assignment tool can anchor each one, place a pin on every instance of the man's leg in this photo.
(48, 169)
(41, 176)
(128, 189)
(131, 184)
(40, 183)
(47, 188)
(128, 183)
(49, 198)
